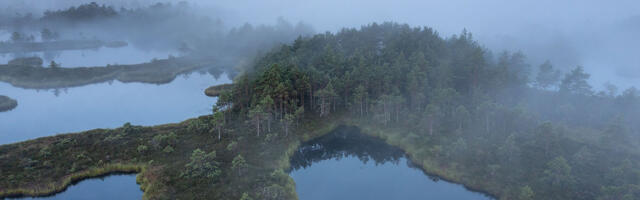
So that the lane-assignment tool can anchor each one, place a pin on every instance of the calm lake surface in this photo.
(104, 105)
(93, 57)
(107, 188)
(103, 56)
(347, 164)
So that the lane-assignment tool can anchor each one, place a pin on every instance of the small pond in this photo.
(347, 164)
(106, 188)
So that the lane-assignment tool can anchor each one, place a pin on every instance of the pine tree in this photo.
(575, 82)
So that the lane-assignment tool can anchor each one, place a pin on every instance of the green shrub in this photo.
(239, 164)
(202, 165)
(168, 149)
(142, 149)
(45, 152)
(64, 142)
(245, 196)
(113, 137)
(198, 126)
(526, 193)
(270, 137)
(164, 139)
(232, 146)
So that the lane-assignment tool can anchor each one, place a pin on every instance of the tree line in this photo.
(531, 135)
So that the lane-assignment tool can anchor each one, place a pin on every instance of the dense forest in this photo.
(485, 120)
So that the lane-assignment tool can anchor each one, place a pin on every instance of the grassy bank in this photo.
(7, 103)
(40, 170)
(216, 90)
(56, 187)
(160, 154)
(399, 138)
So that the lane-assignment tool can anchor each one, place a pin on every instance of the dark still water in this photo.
(116, 187)
(347, 164)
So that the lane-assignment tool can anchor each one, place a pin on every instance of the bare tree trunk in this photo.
(311, 97)
(431, 127)
(486, 119)
(361, 107)
(258, 126)
(286, 130)
(333, 101)
(269, 123)
(397, 113)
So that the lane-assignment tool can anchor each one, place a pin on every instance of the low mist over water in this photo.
(597, 35)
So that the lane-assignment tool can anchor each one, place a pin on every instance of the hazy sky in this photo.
(600, 35)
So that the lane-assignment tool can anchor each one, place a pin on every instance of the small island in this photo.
(7, 104)
(30, 74)
(16, 47)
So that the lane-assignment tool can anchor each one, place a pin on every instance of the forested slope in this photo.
(464, 113)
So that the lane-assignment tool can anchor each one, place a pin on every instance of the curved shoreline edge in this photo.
(428, 170)
(216, 90)
(56, 188)
(312, 129)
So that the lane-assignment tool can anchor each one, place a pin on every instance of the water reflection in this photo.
(104, 105)
(93, 57)
(345, 142)
(347, 164)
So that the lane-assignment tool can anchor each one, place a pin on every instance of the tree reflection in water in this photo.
(345, 141)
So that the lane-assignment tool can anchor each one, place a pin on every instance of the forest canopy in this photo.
(489, 116)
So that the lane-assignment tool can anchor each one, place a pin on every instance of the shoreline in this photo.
(62, 186)
(216, 90)
(310, 129)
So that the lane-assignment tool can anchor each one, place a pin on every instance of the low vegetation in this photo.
(199, 165)
(215, 91)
